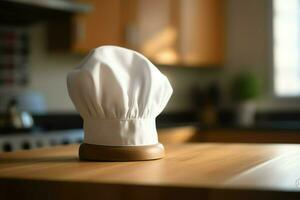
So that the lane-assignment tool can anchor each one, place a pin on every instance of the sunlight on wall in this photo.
(286, 20)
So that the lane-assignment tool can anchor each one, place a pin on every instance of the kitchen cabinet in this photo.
(232, 135)
(190, 134)
(168, 32)
(103, 25)
(180, 32)
(177, 135)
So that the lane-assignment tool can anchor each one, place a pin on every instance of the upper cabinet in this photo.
(201, 32)
(109, 23)
(168, 32)
(103, 25)
(181, 32)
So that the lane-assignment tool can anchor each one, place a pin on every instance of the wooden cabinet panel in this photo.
(168, 32)
(187, 32)
(177, 135)
(248, 136)
(201, 31)
(102, 26)
(157, 34)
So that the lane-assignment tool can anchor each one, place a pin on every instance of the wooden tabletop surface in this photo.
(215, 171)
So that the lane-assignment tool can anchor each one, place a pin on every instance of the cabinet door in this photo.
(102, 26)
(201, 30)
(181, 32)
(168, 32)
(157, 31)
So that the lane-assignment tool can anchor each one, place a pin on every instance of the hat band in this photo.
(118, 132)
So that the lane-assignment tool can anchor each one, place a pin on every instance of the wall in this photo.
(248, 47)
(248, 39)
(49, 70)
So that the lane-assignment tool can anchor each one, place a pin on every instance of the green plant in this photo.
(245, 87)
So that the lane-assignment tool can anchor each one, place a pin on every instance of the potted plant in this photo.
(245, 91)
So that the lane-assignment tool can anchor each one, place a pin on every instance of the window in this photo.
(286, 51)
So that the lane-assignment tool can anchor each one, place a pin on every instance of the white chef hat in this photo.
(119, 93)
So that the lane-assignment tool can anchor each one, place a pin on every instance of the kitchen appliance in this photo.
(40, 139)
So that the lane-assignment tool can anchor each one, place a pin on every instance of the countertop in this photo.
(206, 171)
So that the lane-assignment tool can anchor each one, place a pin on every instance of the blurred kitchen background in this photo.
(234, 66)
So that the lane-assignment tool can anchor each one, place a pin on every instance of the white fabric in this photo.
(119, 93)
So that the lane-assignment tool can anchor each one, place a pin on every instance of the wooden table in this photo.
(202, 171)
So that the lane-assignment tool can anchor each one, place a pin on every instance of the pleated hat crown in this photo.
(119, 93)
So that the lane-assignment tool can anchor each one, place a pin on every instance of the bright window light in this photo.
(286, 51)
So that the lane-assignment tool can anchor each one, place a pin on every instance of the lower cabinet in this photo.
(177, 135)
(188, 134)
(248, 136)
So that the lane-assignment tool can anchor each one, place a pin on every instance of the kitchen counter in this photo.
(288, 126)
(206, 171)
